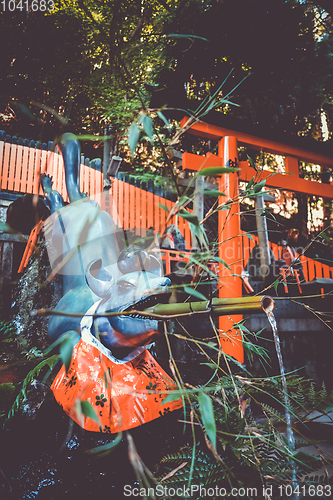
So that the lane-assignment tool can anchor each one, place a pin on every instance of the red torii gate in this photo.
(230, 248)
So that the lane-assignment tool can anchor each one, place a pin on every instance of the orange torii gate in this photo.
(230, 247)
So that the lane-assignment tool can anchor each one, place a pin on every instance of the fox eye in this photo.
(125, 286)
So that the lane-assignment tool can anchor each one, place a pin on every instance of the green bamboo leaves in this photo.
(189, 37)
(133, 137)
(104, 450)
(212, 171)
(207, 416)
(144, 124)
(147, 124)
(66, 343)
(85, 408)
(194, 292)
(66, 348)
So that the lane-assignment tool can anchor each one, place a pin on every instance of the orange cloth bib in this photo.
(124, 393)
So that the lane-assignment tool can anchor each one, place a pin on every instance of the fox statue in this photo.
(111, 366)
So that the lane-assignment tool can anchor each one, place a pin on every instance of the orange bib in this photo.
(124, 393)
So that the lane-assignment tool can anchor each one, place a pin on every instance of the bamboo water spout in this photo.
(217, 307)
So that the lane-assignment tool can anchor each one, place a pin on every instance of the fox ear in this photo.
(136, 259)
(98, 279)
(132, 259)
(154, 266)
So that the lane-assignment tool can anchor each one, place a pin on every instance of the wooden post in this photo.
(106, 157)
(198, 204)
(230, 249)
(265, 256)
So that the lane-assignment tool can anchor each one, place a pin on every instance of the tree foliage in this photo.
(285, 47)
(99, 61)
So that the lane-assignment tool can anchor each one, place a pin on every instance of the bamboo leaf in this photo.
(258, 187)
(36, 371)
(199, 232)
(133, 137)
(194, 292)
(193, 219)
(24, 109)
(89, 411)
(66, 348)
(53, 112)
(213, 192)
(212, 171)
(78, 410)
(104, 450)
(87, 137)
(202, 104)
(164, 207)
(225, 206)
(183, 200)
(60, 340)
(250, 183)
(236, 86)
(179, 35)
(226, 101)
(324, 235)
(275, 285)
(249, 236)
(207, 416)
(147, 124)
(161, 115)
(223, 262)
(253, 165)
(204, 267)
(173, 396)
(213, 345)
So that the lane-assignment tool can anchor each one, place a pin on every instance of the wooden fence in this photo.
(132, 207)
(138, 210)
(311, 268)
(21, 167)
(21, 160)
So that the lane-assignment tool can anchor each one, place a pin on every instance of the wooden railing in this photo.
(131, 207)
(311, 268)
(138, 210)
(21, 158)
(21, 167)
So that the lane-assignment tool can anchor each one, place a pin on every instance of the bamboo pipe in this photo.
(218, 307)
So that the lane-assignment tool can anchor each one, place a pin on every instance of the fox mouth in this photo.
(144, 303)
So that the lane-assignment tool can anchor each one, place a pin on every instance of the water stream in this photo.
(289, 432)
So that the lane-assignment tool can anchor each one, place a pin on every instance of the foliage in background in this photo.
(87, 59)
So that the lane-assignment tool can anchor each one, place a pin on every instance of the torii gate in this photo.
(230, 247)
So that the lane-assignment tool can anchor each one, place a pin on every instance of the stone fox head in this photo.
(82, 238)
(141, 286)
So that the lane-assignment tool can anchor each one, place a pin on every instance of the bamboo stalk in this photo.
(218, 307)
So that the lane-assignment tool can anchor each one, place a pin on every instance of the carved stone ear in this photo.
(98, 279)
(132, 259)
(154, 266)
(136, 259)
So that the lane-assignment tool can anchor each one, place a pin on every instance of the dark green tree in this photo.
(285, 47)
(97, 61)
